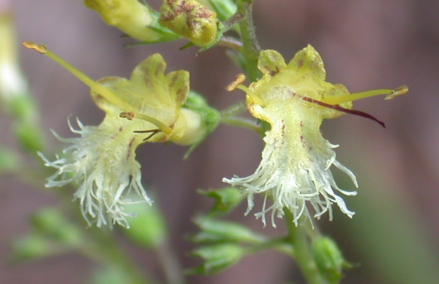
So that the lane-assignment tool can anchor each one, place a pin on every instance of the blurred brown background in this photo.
(365, 45)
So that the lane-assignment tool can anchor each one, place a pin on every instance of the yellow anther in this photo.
(127, 115)
(240, 78)
(398, 91)
(38, 47)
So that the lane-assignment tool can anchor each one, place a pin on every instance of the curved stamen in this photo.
(342, 109)
(131, 115)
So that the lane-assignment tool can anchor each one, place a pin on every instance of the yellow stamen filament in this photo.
(96, 87)
(390, 94)
(251, 98)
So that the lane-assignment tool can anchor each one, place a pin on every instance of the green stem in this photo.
(228, 116)
(297, 236)
(100, 245)
(242, 122)
(234, 110)
(278, 244)
(104, 249)
(170, 265)
(250, 49)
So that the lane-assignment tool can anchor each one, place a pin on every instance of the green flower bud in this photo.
(51, 223)
(214, 231)
(112, 274)
(134, 18)
(29, 137)
(217, 257)
(329, 259)
(191, 20)
(226, 199)
(12, 82)
(201, 120)
(148, 228)
(9, 160)
(224, 8)
(31, 247)
(15, 97)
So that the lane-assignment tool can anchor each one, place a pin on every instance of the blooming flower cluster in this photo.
(294, 99)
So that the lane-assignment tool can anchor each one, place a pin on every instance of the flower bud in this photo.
(31, 247)
(217, 257)
(225, 200)
(200, 120)
(12, 82)
(28, 136)
(224, 8)
(189, 19)
(15, 97)
(329, 258)
(148, 228)
(219, 231)
(51, 223)
(134, 18)
(9, 161)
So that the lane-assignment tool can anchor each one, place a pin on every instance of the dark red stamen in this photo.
(342, 109)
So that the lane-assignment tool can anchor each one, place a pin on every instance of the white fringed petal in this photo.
(295, 168)
(102, 162)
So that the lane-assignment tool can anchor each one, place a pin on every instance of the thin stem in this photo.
(234, 109)
(228, 116)
(251, 48)
(242, 122)
(275, 244)
(171, 267)
(298, 238)
(232, 21)
(105, 249)
(231, 43)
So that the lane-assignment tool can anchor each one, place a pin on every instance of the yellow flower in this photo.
(294, 99)
(147, 107)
